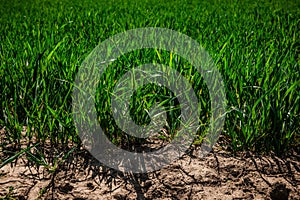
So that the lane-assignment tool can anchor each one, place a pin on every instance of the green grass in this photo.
(256, 46)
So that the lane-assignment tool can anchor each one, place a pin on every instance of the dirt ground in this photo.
(220, 175)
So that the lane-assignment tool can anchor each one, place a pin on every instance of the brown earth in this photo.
(220, 175)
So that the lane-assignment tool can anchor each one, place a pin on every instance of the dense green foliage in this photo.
(256, 46)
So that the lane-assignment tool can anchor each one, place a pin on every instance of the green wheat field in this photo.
(254, 44)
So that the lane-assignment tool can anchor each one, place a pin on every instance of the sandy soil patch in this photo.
(220, 175)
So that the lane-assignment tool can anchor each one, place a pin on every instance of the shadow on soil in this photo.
(220, 175)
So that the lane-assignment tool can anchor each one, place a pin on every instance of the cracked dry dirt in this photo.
(220, 175)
